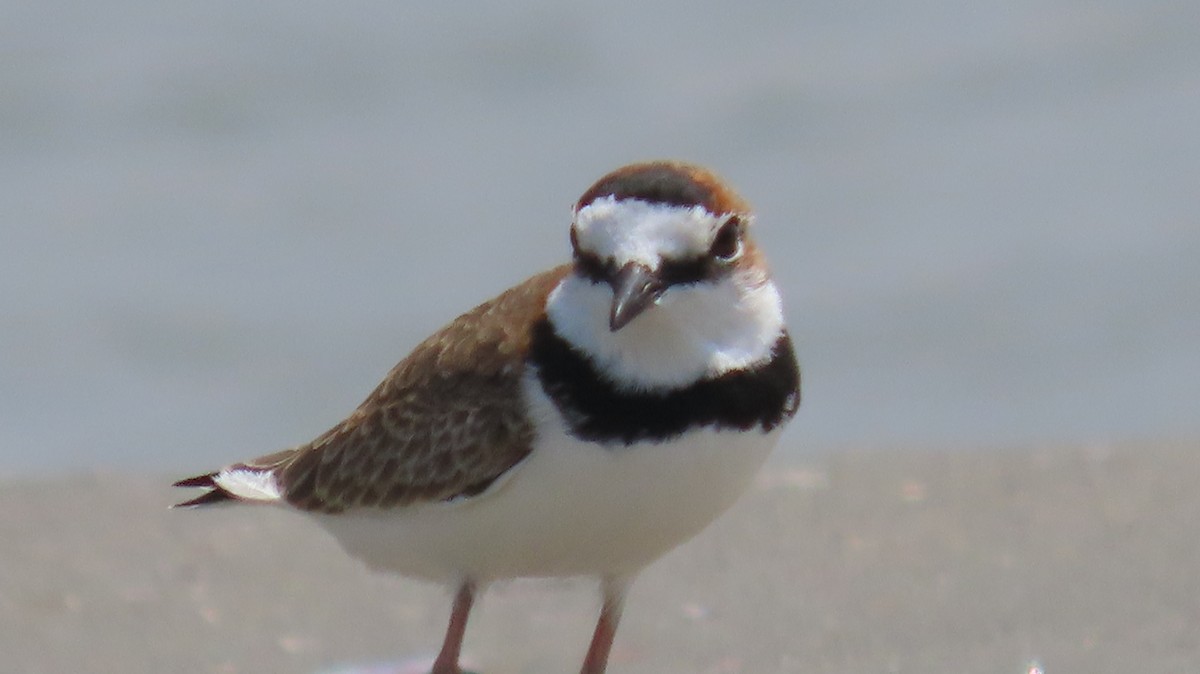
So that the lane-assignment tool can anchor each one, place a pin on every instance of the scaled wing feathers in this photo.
(445, 423)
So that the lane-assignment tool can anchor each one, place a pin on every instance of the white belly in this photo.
(570, 508)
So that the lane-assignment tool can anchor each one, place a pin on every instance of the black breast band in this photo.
(762, 396)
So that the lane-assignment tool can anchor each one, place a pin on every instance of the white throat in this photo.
(694, 331)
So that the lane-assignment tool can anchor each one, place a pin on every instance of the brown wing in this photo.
(446, 422)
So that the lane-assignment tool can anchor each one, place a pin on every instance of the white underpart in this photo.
(248, 484)
(631, 230)
(570, 508)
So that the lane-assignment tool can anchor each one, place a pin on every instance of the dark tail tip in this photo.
(215, 493)
(207, 498)
(206, 480)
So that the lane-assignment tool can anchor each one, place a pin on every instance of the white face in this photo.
(695, 330)
(639, 231)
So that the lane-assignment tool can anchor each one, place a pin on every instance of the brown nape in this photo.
(667, 182)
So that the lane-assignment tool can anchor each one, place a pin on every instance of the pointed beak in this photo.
(635, 289)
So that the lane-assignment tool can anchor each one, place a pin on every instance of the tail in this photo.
(214, 492)
(239, 482)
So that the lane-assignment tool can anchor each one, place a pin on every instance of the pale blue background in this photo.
(222, 221)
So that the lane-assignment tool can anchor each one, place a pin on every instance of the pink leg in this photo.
(447, 659)
(606, 627)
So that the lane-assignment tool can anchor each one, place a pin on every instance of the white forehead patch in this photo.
(631, 230)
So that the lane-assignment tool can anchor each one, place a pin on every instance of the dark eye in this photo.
(728, 243)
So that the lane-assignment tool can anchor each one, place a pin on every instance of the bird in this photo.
(580, 424)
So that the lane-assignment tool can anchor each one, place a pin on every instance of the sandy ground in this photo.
(1080, 560)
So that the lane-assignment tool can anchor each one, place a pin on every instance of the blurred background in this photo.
(222, 222)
